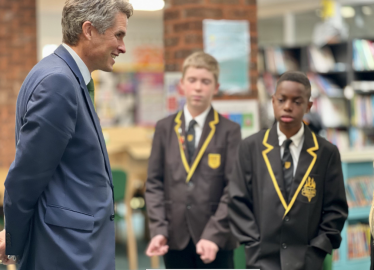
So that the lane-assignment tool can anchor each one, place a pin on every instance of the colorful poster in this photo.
(175, 99)
(243, 112)
(229, 42)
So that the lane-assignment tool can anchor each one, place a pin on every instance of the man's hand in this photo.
(157, 246)
(207, 250)
(4, 258)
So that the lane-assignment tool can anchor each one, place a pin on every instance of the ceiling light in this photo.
(367, 10)
(149, 5)
(347, 12)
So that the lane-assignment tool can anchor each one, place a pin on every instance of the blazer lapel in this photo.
(273, 162)
(305, 165)
(65, 55)
(180, 132)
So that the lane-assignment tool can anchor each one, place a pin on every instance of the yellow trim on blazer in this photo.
(275, 183)
(212, 124)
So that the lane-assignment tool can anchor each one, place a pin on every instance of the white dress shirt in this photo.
(81, 65)
(295, 146)
(200, 121)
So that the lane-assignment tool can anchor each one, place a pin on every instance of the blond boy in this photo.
(189, 168)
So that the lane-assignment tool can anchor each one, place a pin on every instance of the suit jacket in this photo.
(184, 202)
(294, 235)
(58, 193)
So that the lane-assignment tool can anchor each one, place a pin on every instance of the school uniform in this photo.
(293, 232)
(187, 195)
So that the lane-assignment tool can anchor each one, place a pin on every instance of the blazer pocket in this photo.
(66, 218)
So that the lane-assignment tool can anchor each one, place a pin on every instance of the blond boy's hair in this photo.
(201, 60)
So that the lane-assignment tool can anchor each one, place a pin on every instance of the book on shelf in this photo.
(363, 55)
(358, 236)
(340, 138)
(321, 84)
(333, 111)
(362, 111)
(280, 60)
(360, 138)
(321, 59)
(360, 190)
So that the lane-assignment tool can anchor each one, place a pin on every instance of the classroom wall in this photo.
(17, 57)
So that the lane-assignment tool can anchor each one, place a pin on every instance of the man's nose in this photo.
(122, 47)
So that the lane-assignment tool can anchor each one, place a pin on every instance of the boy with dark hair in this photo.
(188, 174)
(287, 197)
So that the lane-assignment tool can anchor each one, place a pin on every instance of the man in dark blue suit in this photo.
(58, 193)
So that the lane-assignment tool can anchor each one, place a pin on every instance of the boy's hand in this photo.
(157, 246)
(207, 250)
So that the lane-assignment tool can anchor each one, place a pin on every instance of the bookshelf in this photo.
(332, 70)
(354, 164)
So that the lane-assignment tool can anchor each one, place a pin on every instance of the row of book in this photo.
(278, 61)
(360, 191)
(325, 85)
(363, 55)
(362, 108)
(359, 138)
(338, 137)
(333, 111)
(322, 60)
(358, 241)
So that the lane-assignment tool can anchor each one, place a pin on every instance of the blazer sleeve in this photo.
(48, 125)
(335, 208)
(217, 229)
(242, 220)
(154, 195)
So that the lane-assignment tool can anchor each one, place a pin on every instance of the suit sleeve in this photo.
(154, 194)
(48, 125)
(242, 221)
(217, 229)
(335, 208)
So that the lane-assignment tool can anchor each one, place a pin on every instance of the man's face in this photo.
(290, 103)
(106, 47)
(199, 87)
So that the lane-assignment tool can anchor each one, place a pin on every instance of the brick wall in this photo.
(17, 57)
(183, 29)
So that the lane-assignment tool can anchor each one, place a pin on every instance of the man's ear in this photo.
(216, 88)
(87, 29)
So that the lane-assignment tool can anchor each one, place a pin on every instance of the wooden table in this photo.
(129, 149)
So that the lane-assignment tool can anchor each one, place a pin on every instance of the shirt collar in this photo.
(295, 138)
(81, 65)
(200, 119)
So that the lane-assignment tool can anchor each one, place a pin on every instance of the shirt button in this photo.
(112, 217)
(287, 219)
(284, 245)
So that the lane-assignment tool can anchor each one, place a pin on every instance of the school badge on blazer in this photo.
(214, 160)
(309, 189)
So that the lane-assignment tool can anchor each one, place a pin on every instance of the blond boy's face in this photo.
(199, 87)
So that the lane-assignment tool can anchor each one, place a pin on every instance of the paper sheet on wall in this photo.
(243, 112)
(229, 42)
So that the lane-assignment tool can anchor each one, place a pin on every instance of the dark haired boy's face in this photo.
(290, 103)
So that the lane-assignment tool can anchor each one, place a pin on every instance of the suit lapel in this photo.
(65, 55)
(306, 163)
(273, 162)
(209, 128)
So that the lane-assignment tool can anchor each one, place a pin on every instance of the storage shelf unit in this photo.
(354, 163)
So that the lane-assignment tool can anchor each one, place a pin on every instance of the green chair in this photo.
(327, 264)
(239, 258)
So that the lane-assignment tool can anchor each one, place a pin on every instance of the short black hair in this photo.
(299, 77)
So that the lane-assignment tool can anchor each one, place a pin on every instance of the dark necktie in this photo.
(91, 91)
(287, 164)
(191, 140)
